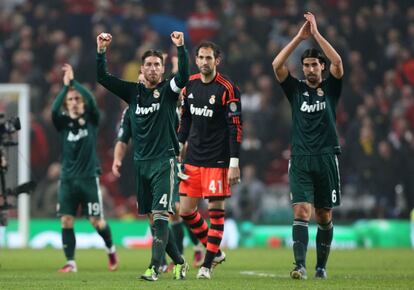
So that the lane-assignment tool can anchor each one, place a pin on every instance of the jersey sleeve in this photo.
(178, 82)
(234, 118)
(91, 107)
(289, 86)
(334, 85)
(185, 120)
(121, 88)
(57, 116)
(124, 132)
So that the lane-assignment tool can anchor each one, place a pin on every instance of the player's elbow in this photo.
(337, 62)
(276, 65)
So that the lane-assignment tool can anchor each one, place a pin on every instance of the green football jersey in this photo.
(313, 115)
(152, 112)
(78, 136)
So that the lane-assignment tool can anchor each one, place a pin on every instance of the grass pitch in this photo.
(245, 269)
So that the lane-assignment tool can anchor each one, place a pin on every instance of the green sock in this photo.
(178, 232)
(164, 258)
(69, 243)
(323, 243)
(106, 235)
(159, 242)
(300, 237)
(172, 249)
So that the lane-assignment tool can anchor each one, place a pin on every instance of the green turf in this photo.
(244, 269)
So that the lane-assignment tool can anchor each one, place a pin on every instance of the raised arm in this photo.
(117, 86)
(336, 68)
(279, 67)
(183, 73)
(57, 105)
(58, 102)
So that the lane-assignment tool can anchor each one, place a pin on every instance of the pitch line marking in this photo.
(259, 274)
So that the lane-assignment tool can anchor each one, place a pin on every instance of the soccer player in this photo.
(313, 168)
(77, 125)
(211, 125)
(152, 112)
(121, 146)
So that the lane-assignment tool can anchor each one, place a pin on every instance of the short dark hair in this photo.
(209, 44)
(313, 53)
(152, 52)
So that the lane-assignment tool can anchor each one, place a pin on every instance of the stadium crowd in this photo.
(375, 115)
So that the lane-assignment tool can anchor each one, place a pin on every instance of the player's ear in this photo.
(218, 60)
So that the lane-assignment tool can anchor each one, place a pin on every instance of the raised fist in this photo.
(103, 40)
(177, 38)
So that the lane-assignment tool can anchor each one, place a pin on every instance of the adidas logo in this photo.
(190, 96)
(306, 94)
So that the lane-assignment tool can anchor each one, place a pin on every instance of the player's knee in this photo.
(160, 215)
(322, 215)
(175, 217)
(66, 221)
(302, 211)
(98, 223)
(185, 211)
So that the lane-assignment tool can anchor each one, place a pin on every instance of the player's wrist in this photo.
(234, 162)
(101, 49)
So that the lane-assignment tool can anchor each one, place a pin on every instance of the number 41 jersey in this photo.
(211, 121)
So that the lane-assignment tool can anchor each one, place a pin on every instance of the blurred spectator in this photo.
(375, 38)
(246, 200)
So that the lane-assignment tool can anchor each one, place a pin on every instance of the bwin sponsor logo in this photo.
(76, 137)
(147, 110)
(319, 106)
(201, 111)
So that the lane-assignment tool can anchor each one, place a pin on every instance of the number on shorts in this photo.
(334, 196)
(164, 200)
(212, 187)
(94, 208)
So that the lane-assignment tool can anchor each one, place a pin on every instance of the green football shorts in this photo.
(84, 192)
(156, 181)
(315, 179)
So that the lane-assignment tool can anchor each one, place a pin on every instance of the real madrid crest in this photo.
(319, 92)
(156, 94)
(81, 121)
(212, 99)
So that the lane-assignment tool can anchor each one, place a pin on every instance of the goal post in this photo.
(15, 101)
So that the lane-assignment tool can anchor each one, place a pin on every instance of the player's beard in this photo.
(153, 79)
(206, 71)
(313, 79)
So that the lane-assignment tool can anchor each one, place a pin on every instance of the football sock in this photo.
(197, 225)
(324, 237)
(160, 239)
(178, 234)
(106, 235)
(300, 237)
(69, 243)
(215, 235)
(172, 249)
